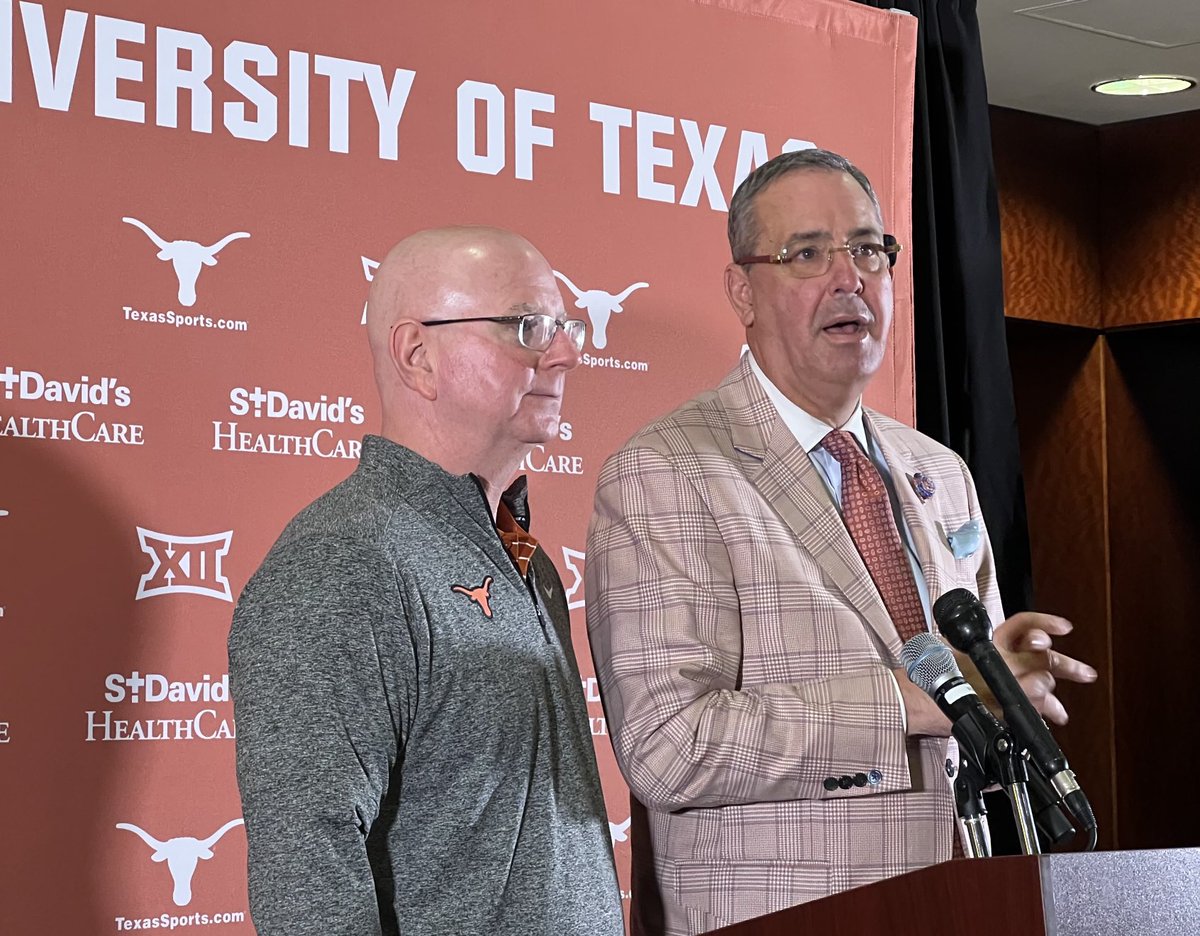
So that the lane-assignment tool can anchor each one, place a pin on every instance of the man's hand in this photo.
(921, 713)
(1024, 641)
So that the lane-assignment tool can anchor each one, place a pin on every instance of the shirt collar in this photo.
(424, 482)
(806, 428)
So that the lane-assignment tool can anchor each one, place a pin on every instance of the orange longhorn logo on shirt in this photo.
(480, 595)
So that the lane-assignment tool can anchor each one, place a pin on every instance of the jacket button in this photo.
(950, 771)
(845, 782)
(830, 783)
(875, 777)
(860, 779)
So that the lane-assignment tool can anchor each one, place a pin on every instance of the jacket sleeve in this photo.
(665, 624)
(320, 708)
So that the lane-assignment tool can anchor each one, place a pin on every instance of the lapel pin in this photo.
(923, 486)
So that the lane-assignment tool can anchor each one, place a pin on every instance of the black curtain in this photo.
(963, 382)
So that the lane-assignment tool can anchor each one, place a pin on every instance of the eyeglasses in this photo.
(535, 331)
(805, 260)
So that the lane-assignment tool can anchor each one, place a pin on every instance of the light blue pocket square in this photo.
(965, 540)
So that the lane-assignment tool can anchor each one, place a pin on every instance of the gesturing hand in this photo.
(1025, 642)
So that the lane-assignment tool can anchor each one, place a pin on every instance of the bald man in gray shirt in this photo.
(413, 748)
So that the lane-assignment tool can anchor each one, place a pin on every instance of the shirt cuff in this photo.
(900, 702)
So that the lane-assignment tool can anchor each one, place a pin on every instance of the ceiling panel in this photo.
(1044, 58)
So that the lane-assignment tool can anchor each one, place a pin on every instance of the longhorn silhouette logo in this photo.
(600, 306)
(181, 854)
(619, 831)
(369, 267)
(187, 257)
(481, 595)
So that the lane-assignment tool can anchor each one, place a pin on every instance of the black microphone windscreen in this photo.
(962, 619)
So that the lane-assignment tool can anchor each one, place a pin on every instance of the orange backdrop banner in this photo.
(197, 197)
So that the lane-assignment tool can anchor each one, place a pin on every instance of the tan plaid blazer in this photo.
(743, 654)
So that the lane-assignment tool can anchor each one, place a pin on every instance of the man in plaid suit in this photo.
(749, 662)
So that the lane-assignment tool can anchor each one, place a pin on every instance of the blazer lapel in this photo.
(785, 476)
(921, 517)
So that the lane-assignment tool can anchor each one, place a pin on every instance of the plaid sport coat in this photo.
(743, 654)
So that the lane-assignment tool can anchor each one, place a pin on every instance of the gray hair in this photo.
(743, 223)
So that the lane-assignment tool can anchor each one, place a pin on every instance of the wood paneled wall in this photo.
(1153, 377)
(1149, 235)
(1101, 237)
(1058, 382)
(1048, 177)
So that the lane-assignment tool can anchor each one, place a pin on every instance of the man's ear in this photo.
(412, 358)
(740, 293)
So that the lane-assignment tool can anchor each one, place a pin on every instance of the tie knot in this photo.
(841, 445)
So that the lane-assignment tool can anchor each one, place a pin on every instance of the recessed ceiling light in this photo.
(1145, 84)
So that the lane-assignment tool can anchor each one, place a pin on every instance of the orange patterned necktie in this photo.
(867, 511)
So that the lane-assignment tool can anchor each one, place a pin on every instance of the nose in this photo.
(844, 276)
(561, 353)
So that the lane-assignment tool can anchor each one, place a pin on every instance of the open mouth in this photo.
(850, 325)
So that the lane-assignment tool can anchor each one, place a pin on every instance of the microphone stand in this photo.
(1014, 778)
(989, 756)
(963, 620)
(972, 812)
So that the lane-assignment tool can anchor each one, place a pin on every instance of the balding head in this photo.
(471, 382)
(451, 272)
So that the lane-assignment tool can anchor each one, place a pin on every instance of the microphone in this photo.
(963, 620)
(932, 667)
(985, 746)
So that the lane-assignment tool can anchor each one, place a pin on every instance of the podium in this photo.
(1118, 893)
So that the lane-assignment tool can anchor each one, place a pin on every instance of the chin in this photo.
(866, 361)
(873, 362)
(542, 432)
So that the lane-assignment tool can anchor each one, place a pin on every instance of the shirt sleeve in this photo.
(320, 707)
(900, 702)
(665, 624)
